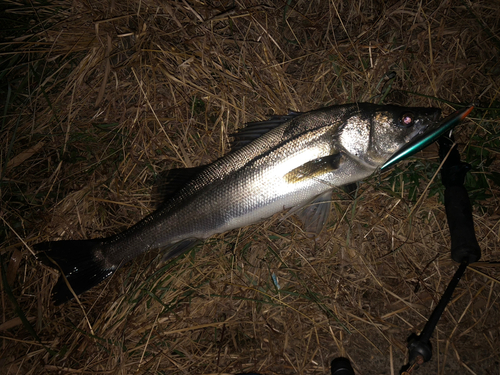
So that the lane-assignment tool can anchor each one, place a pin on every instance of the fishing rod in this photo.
(464, 246)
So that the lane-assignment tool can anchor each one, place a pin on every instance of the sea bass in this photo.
(288, 162)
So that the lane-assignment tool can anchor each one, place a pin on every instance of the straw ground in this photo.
(100, 96)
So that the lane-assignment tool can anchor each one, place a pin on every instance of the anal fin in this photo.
(179, 248)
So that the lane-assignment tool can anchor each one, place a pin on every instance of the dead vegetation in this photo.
(99, 96)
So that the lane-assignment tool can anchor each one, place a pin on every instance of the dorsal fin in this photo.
(254, 130)
(169, 182)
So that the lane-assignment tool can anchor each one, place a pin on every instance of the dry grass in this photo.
(99, 96)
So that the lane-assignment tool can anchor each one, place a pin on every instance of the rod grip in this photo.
(464, 245)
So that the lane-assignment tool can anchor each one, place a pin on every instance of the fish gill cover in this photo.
(100, 97)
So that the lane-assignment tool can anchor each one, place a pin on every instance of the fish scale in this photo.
(290, 162)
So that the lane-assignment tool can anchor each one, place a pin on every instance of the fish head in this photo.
(375, 132)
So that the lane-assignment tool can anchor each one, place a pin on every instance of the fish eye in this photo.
(407, 120)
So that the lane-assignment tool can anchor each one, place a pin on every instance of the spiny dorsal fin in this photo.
(254, 130)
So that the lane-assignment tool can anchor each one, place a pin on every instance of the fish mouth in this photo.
(429, 124)
(433, 118)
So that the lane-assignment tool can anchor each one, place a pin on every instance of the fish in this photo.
(290, 162)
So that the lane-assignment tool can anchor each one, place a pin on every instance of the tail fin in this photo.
(79, 262)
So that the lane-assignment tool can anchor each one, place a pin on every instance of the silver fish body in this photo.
(299, 160)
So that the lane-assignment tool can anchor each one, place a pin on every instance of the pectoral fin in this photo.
(315, 168)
